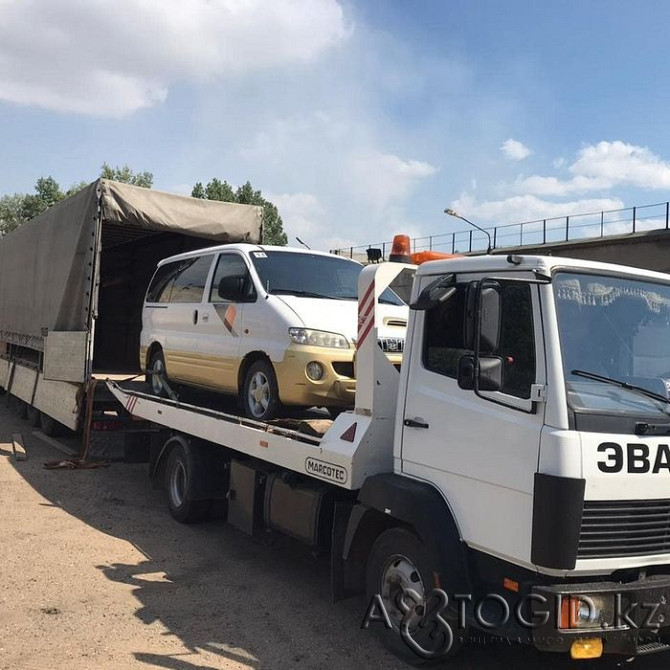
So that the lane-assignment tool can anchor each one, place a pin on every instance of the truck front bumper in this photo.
(631, 619)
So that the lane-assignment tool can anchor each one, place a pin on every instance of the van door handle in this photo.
(413, 423)
(195, 316)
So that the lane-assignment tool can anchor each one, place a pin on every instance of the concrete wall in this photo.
(649, 250)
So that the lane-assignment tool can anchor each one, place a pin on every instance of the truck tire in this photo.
(156, 373)
(260, 393)
(177, 473)
(399, 560)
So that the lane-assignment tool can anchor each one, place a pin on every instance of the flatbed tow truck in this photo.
(500, 481)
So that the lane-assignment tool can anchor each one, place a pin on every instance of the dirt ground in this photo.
(94, 573)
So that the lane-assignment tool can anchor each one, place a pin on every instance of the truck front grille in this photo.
(624, 528)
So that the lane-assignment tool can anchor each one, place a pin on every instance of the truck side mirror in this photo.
(489, 319)
(490, 373)
(482, 314)
(231, 287)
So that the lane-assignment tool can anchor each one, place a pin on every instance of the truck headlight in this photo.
(586, 611)
(318, 338)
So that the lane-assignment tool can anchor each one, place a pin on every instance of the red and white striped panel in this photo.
(366, 315)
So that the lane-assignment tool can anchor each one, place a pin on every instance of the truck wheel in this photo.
(260, 393)
(399, 561)
(182, 508)
(156, 374)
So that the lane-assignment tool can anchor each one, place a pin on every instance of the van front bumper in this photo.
(337, 386)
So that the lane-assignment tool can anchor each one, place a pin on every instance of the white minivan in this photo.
(273, 325)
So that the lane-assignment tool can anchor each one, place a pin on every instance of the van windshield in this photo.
(312, 276)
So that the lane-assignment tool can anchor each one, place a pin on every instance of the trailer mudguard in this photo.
(386, 499)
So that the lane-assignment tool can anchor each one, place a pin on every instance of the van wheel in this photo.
(156, 374)
(400, 562)
(177, 474)
(260, 393)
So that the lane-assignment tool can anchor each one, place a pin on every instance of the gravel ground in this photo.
(94, 573)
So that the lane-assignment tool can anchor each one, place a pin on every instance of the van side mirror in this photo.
(490, 373)
(483, 316)
(231, 288)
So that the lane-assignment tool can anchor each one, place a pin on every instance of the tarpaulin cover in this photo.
(46, 265)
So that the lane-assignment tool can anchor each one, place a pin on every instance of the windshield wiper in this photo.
(620, 384)
(303, 294)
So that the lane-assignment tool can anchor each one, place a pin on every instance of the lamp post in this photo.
(454, 213)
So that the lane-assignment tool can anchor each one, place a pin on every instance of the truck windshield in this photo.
(616, 328)
(312, 276)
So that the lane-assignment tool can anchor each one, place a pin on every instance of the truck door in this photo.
(481, 452)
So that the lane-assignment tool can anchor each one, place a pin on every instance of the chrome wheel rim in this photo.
(258, 394)
(178, 483)
(399, 574)
(157, 373)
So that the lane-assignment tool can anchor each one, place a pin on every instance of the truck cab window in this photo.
(444, 342)
(444, 335)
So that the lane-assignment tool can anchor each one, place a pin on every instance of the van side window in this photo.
(161, 285)
(444, 338)
(230, 265)
(189, 283)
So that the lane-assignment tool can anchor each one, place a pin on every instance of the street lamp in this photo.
(452, 212)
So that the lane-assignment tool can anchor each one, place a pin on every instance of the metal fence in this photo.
(534, 233)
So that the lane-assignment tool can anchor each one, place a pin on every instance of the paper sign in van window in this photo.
(260, 254)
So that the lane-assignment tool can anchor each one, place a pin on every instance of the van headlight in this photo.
(318, 338)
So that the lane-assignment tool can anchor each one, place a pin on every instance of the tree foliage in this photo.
(18, 208)
(127, 176)
(273, 226)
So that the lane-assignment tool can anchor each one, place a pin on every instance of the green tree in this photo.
(11, 212)
(273, 226)
(18, 208)
(47, 194)
(127, 176)
(198, 191)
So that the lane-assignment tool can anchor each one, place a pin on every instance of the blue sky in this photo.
(358, 119)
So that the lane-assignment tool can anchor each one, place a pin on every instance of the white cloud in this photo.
(604, 166)
(520, 208)
(113, 57)
(515, 150)
(303, 216)
(383, 179)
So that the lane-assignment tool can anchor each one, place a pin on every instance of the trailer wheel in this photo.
(177, 473)
(260, 393)
(157, 373)
(399, 561)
